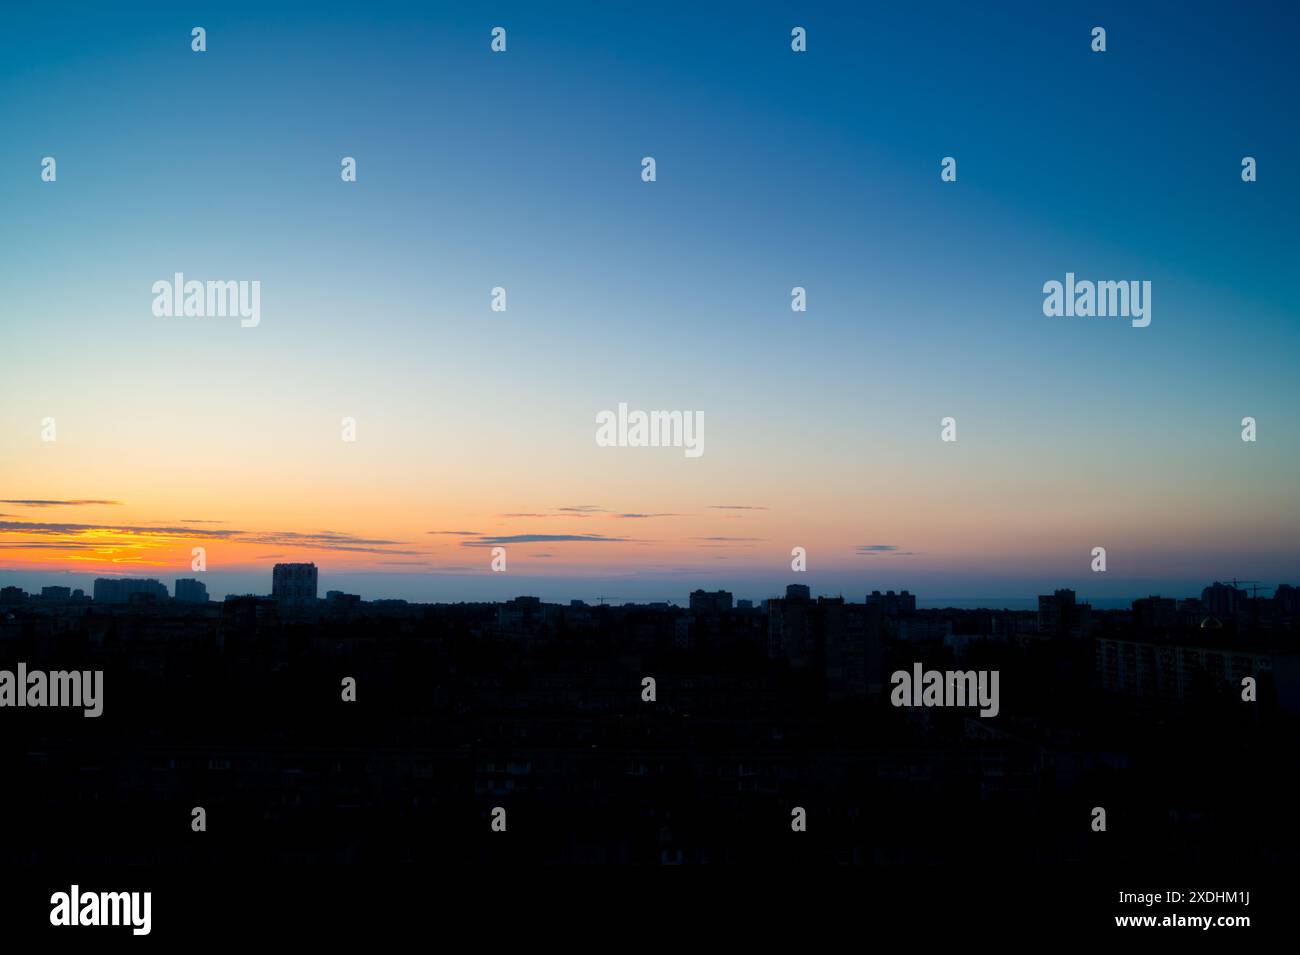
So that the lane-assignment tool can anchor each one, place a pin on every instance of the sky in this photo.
(774, 169)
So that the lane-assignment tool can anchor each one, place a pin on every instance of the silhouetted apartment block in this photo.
(1196, 665)
(790, 635)
(1060, 615)
(892, 604)
(520, 613)
(1287, 600)
(841, 641)
(924, 629)
(702, 601)
(119, 590)
(294, 585)
(191, 591)
(246, 621)
(1222, 600)
(1155, 613)
(338, 600)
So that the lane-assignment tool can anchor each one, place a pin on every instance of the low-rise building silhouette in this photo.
(119, 590)
(702, 601)
(191, 591)
(892, 604)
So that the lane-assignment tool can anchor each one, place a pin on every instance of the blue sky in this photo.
(774, 170)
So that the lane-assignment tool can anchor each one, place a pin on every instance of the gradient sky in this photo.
(774, 170)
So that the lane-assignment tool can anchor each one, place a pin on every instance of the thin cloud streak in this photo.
(76, 503)
(320, 540)
(543, 539)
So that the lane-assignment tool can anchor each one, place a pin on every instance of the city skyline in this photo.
(196, 591)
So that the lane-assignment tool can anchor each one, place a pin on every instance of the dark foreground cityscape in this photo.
(288, 728)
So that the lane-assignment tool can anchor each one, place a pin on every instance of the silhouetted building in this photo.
(520, 613)
(922, 629)
(338, 600)
(702, 601)
(1060, 615)
(294, 585)
(1223, 600)
(852, 638)
(247, 619)
(12, 596)
(1286, 600)
(892, 604)
(797, 592)
(790, 633)
(1155, 613)
(1194, 666)
(118, 590)
(191, 591)
(838, 641)
(56, 594)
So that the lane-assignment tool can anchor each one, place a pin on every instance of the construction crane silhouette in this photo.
(1254, 591)
(601, 600)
